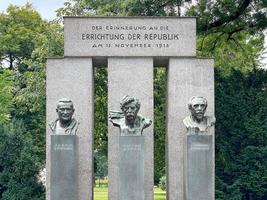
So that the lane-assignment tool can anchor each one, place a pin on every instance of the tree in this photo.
(101, 165)
(230, 17)
(121, 8)
(18, 166)
(29, 40)
(101, 111)
(19, 28)
(41, 39)
(159, 122)
(22, 31)
(231, 32)
(6, 85)
(241, 107)
(243, 52)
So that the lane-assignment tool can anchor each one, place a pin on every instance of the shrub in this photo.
(162, 183)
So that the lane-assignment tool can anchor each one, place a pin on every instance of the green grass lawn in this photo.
(101, 193)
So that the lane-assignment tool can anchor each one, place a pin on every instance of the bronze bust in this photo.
(128, 121)
(197, 122)
(65, 124)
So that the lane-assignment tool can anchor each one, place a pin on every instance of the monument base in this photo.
(63, 167)
(131, 168)
(199, 167)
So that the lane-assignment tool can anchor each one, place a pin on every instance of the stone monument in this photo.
(130, 47)
(131, 149)
(199, 163)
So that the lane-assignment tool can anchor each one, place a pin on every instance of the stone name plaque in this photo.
(130, 36)
(131, 168)
(63, 167)
(199, 167)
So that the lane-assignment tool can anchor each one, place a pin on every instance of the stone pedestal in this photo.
(133, 77)
(131, 168)
(199, 167)
(64, 171)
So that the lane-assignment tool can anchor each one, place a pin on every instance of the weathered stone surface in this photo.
(199, 167)
(187, 77)
(73, 78)
(130, 36)
(133, 77)
(131, 168)
(64, 167)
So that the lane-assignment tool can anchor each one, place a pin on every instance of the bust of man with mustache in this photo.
(197, 122)
(129, 122)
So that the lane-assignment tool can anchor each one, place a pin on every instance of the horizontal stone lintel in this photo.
(129, 36)
(162, 61)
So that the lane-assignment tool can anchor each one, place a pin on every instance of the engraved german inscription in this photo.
(129, 37)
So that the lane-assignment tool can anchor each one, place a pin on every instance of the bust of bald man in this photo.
(65, 124)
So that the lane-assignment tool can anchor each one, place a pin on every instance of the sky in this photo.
(47, 10)
(45, 7)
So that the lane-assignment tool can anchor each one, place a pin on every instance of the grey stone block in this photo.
(131, 168)
(133, 77)
(130, 36)
(73, 78)
(64, 167)
(199, 167)
(187, 77)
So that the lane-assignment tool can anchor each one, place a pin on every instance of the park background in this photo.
(230, 31)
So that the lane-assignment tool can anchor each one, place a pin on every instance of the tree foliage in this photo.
(230, 16)
(101, 111)
(19, 28)
(120, 8)
(101, 164)
(243, 52)
(159, 122)
(25, 41)
(6, 85)
(241, 127)
(25, 35)
(231, 31)
(19, 164)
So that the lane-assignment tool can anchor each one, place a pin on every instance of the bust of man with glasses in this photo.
(65, 124)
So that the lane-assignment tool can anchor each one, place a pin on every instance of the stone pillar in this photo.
(73, 78)
(199, 167)
(187, 77)
(131, 168)
(133, 77)
(64, 168)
